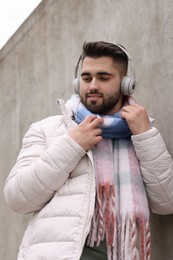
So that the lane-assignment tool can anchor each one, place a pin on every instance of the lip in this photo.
(94, 97)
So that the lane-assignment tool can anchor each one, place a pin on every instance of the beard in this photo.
(108, 103)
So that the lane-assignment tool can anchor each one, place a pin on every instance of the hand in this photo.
(87, 133)
(136, 118)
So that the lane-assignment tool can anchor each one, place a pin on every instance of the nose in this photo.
(93, 84)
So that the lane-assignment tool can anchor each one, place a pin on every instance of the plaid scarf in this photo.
(121, 214)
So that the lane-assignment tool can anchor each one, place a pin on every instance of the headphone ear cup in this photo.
(76, 85)
(127, 86)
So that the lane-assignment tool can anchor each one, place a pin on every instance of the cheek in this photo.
(112, 90)
(82, 89)
(82, 85)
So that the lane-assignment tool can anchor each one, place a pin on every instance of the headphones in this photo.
(128, 83)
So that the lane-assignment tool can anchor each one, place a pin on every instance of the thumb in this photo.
(131, 100)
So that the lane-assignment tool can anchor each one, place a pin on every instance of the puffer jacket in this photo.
(54, 178)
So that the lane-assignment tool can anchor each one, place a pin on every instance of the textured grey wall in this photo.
(37, 67)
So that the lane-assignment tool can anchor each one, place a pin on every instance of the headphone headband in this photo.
(77, 66)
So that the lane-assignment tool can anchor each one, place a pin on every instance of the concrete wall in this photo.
(37, 67)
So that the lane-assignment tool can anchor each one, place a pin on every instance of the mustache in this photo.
(95, 91)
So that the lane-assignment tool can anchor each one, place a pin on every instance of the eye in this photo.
(103, 78)
(86, 78)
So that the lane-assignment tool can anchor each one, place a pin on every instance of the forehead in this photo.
(98, 64)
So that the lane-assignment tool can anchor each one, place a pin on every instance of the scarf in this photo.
(121, 214)
(109, 125)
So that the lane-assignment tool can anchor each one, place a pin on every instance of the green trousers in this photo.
(95, 253)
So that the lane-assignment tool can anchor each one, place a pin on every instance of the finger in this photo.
(89, 119)
(98, 131)
(124, 115)
(127, 112)
(131, 100)
(130, 108)
(97, 122)
(99, 139)
(126, 109)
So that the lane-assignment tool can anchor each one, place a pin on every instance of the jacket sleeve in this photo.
(157, 170)
(40, 171)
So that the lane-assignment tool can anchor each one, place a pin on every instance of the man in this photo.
(82, 173)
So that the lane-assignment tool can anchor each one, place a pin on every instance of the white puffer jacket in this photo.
(54, 178)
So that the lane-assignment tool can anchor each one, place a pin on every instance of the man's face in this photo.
(100, 85)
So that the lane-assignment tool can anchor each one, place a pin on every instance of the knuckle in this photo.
(142, 110)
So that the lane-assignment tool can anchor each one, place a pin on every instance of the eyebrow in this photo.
(102, 73)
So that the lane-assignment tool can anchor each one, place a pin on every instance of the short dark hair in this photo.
(106, 49)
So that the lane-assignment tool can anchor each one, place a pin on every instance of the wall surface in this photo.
(37, 66)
